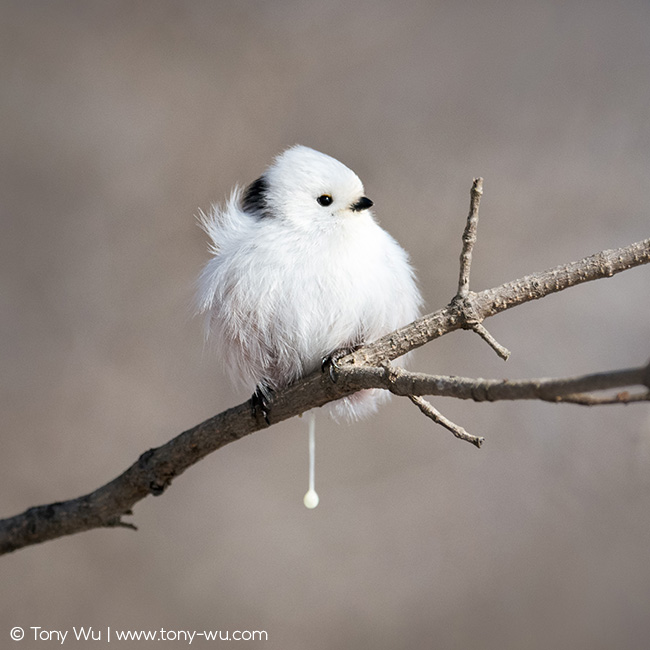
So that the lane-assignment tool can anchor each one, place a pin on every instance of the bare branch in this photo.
(469, 238)
(487, 303)
(470, 318)
(503, 352)
(428, 409)
(402, 382)
(153, 472)
(411, 384)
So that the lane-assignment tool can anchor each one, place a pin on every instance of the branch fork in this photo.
(464, 308)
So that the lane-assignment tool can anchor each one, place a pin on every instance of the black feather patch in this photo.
(254, 199)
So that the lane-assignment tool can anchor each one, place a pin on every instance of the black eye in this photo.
(325, 199)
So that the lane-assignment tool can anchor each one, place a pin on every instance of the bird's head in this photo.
(306, 187)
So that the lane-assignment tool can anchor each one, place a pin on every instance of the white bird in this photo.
(301, 270)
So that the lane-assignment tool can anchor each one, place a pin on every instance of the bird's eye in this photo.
(324, 200)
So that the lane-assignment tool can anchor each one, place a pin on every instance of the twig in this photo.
(459, 301)
(431, 412)
(503, 352)
(469, 238)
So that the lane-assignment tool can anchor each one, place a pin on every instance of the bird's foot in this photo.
(330, 363)
(261, 401)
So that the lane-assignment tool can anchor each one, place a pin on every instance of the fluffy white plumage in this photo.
(296, 276)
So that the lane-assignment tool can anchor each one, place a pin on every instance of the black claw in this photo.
(261, 403)
(331, 362)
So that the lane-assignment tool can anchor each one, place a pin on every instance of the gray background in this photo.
(120, 120)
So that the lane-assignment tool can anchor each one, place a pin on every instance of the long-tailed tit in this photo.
(301, 270)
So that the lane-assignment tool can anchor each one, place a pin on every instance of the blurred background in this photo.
(119, 121)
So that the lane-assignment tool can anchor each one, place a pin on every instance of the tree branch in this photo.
(428, 409)
(469, 238)
(153, 472)
(504, 353)
(476, 307)
(402, 382)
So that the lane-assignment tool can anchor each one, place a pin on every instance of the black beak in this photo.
(362, 204)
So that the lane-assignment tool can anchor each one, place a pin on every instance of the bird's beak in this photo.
(362, 204)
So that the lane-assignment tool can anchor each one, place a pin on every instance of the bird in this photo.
(301, 271)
